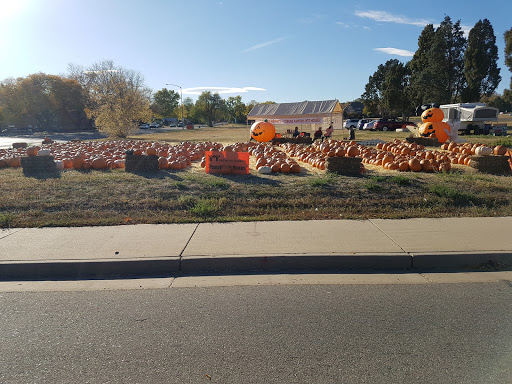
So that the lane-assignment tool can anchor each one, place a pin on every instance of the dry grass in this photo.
(241, 133)
(116, 197)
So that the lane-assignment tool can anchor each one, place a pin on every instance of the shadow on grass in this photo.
(251, 179)
(54, 174)
(158, 175)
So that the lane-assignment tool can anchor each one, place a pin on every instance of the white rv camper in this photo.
(470, 118)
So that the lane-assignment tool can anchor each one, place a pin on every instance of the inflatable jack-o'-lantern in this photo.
(432, 114)
(433, 126)
(263, 131)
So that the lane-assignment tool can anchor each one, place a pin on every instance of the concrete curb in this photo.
(461, 260)
(82, 269)
(293, 262)
(273, 263)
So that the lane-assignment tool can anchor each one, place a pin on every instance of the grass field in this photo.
(111, 197)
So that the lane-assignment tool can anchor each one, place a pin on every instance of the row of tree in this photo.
(110, 98)
(446, 68)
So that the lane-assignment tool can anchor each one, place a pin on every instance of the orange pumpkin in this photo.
(163, 163)
(32, 151)
(352, 151)
(151, 151)
(415, 165)
(433, 115)
(435, 129)
(426, 165)
(14, 162)
(263, 131)
(295, 168)
(99, 163)
(500, 150)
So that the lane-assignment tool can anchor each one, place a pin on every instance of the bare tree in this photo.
(117, 98)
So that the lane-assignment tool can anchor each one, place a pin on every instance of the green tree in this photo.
(249, 106)
(236, 109)
(447, 62)
(209, 107)
(386, 92)
(480, 62)
(508, 51)
(48, 102)
(395, 97)
(188, 109)
(422, 81)
(502, 102)
(166, 103)
(117, 97)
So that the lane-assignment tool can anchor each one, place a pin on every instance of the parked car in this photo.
(369, 125)
(180, 123)
(361, 123)
(350, 123)
(144, 126)
(390, 124)
(154, 125)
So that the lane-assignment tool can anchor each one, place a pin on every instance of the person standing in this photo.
(328, 132)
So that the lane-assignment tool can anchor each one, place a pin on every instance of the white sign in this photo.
(299, 120)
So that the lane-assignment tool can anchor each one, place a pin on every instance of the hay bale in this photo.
(141, 163)
(425, 141)
(39, 166)
(295, 140)
(344, 165)
(496, 165)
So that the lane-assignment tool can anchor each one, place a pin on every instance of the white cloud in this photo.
(342, 24)
(220, 90)
(265, 44)
(395, 52)
(384, 16)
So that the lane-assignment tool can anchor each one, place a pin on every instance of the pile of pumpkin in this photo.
(404, 156)
(272, 160)
(317, 153)
(396, 155)
(108, 154)
(468, 149)
(11, 157)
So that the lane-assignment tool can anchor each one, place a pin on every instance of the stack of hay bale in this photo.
(425, 141)
(38, 162)
(350, 166)
(496, 165)
(141, 163)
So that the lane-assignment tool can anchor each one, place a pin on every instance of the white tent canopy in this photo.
(309, 113)
(469, 112)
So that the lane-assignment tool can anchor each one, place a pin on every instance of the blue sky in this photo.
(283, 51)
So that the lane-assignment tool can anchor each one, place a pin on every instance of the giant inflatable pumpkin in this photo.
(263, 131)
(433, 125)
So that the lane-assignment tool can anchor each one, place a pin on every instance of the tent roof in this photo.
(303, 108)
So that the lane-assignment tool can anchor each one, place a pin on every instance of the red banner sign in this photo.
(236, 163)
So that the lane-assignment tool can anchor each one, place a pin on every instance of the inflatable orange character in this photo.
(433, 125)
(263, 131)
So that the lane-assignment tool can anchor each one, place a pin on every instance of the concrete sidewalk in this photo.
(162, 250)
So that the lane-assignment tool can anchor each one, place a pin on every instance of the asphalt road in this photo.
(408, 333)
